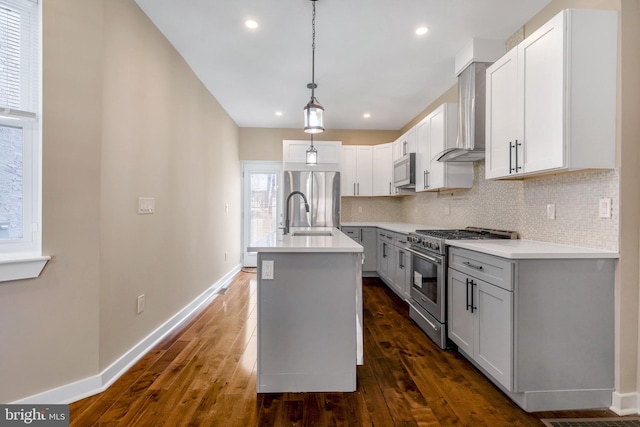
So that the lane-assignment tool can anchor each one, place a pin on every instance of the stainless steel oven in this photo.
(428, 292)
(428, 305)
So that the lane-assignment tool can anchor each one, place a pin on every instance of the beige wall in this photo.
(49, 330)
(266, 143)
(123, 117)
(164, 136)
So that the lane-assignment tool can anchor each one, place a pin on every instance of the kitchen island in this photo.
(309, 311)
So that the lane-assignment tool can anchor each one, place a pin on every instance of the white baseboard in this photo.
(98, 383)
(625, 403)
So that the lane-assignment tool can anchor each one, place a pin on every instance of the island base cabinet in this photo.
(309, 322)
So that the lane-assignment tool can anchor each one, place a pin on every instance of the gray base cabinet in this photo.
(394, 262)
(368, 238)
(541, 329)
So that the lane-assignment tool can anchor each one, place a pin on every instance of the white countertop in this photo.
(530, 249)
(398, 227)
(337, 242)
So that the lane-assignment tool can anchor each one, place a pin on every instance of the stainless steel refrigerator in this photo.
(322, 190)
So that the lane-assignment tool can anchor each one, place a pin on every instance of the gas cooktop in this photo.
(469, 233)
(433, 240)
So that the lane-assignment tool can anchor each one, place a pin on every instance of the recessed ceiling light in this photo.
(250, 23)
(422, 31)
(278, 113)
(366, 115)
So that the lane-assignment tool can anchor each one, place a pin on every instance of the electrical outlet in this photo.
(604, 208)
(551, 211)
(140, 303)
(267, 270)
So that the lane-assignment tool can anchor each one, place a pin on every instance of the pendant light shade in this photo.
(313, 117)
(312, 154)
(313, 111)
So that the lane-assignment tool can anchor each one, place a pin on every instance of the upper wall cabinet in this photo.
(551, 101)
(434, 134)
(294, 155)
(383, 167)
(405, 144)
(357, 170)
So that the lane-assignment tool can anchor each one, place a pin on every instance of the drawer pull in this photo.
(468, 264)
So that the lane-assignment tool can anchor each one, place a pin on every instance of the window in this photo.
(20, 135)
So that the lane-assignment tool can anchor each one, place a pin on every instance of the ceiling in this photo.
(368, 57)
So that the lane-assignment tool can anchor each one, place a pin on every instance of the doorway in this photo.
(260, 204)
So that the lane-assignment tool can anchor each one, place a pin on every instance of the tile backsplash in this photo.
(510, 205)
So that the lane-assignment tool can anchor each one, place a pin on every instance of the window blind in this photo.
(19, 52)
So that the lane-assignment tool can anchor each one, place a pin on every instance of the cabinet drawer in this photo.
(386, 235)
(495, 270)
(400, 240)
(353, 232)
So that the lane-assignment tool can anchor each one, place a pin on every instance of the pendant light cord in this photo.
(313, 49)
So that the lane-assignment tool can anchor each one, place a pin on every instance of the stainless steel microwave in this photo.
(404, 171)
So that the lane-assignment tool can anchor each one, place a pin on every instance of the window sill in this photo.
(22, 268)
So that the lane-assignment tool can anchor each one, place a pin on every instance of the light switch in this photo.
(146, 205)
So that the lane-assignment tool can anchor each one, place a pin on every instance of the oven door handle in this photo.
(420, 254)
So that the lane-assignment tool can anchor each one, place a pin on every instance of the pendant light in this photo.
(313, 110)
(312, 154)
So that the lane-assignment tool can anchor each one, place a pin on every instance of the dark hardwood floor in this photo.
(205, 375)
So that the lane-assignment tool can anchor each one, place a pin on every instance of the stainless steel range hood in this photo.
(471, 116)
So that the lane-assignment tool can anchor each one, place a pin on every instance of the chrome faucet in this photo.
(286, 218)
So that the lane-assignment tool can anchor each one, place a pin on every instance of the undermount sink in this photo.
(312, 233)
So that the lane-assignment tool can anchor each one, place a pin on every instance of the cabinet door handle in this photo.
(401, 259)
(354, 188)
(358, 189)
(384, 250)
(467, 295)
(426, 181)
(468, 264)
(389, 188)
(473, 303)
(518, 144)
(510, 162)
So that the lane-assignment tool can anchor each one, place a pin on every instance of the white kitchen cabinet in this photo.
(434, 134)
(294, 154)
(356, 169)
(423, 154)
(367, 237)
(480, 323)
(541, 329)
(551, 101)
(405, 144)
(383, 167)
